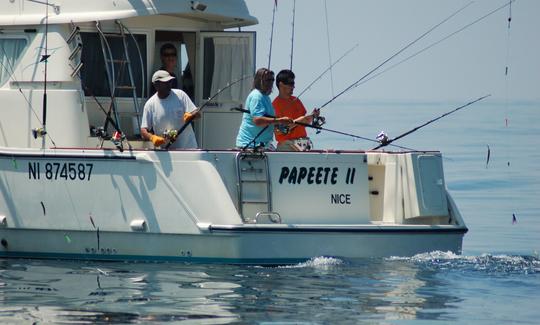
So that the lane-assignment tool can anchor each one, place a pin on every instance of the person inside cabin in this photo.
(293, 138)
(257, 125)
(166, 112)
(169, 60)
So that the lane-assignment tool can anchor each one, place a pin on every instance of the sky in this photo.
(466, 66)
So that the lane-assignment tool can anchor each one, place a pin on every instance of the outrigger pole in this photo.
(187, 123)
(388, 142)
(44, 58)
(393, 56)
(292, 36)
(272, 34)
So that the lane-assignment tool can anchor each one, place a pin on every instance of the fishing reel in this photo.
(100, 133)
(318, 122)
(117, 138)
(170, 135)
(383, 138)
(39, 132)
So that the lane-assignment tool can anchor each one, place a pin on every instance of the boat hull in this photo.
(223, 206)
(231, 244)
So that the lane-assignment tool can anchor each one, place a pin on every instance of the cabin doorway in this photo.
(180, 62)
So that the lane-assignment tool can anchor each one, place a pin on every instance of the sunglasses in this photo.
(169, 54)
(290, 83)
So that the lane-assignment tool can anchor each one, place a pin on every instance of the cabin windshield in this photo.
(93, 72)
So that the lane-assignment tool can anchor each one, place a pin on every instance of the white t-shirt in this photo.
(168, 114)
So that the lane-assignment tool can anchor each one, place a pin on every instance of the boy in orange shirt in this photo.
(285, 104)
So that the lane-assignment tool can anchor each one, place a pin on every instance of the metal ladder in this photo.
(116, 67)
(254, 191)
(76, 45)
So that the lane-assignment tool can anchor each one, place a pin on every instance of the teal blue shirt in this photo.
(258, 105)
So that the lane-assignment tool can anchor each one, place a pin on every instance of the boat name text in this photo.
(314, 175)
(64, 170)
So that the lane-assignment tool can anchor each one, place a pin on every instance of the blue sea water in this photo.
(496, 280)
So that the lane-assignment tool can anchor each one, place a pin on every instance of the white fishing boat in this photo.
(67, 190)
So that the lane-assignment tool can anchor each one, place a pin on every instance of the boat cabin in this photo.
(101, 56)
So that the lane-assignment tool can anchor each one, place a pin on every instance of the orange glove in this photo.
(157, 140)
(188, 117)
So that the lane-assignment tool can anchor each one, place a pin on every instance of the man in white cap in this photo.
(168, 110)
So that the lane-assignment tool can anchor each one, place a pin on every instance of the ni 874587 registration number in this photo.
(60, 170)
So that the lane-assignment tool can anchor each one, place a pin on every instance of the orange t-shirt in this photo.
(291, 108)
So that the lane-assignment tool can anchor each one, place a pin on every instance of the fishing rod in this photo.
(272, 34)
(386, 142)
(292, 37)
(102, 131)
(308, 87)
(44, 58)
(317, 127)
(394, 55)
(176, 133)
(302, 92)
(257, 135)
(436, 43)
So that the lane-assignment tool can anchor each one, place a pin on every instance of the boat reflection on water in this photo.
(323, 289)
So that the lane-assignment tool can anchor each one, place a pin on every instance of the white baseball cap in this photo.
(162, 76)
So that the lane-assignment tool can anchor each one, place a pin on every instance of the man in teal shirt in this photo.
(256, 125)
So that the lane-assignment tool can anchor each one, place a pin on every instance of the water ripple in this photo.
(488, 263)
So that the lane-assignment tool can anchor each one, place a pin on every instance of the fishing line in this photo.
(272, 34)
(292, 37)
(434, 44)
(393, 56)
(506, 70)
(326, 70)
(328, 45)
(507, 95)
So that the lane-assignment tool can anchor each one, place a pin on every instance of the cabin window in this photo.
(228, 57)
(94, 75)
(10, 51)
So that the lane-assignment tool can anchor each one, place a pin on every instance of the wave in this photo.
(319, 262)
(492, 264)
